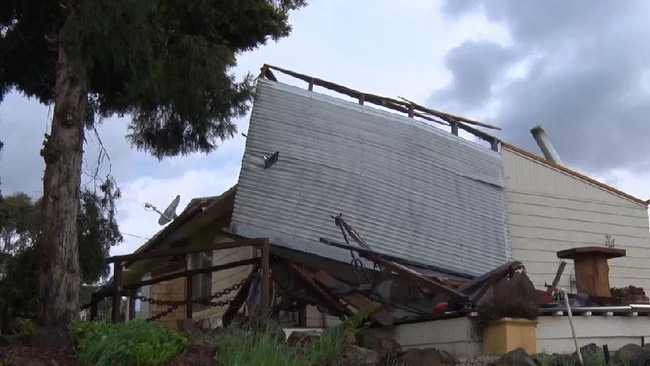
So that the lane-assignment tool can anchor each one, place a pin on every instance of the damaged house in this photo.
(353, 199)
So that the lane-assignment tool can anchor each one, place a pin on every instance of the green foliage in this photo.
(20, 220)
(131, 343)
(22, 326)
(167, 63)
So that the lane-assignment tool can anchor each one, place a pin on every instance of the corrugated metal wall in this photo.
(550, 210)
(411, 190)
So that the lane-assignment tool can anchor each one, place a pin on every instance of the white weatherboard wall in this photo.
(459, 336)
(551, 210)
(411, 190)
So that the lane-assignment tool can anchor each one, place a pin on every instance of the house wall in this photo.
(551, 210)
(226, 278)
(459, 336)
(173, 290)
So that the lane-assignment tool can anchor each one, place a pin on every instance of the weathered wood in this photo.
(308, 279)
(239, 299)
(186, 250)
(191, 272)
(132, 305)
(591, 268)
(188, 295)
(266, 252)
(359, 301)
(117, 288)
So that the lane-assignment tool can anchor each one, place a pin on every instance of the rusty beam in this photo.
(382, 317)
(308, 279)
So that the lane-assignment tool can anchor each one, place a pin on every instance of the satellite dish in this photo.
(170, 212)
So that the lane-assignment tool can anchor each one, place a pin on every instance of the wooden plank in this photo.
(186, 250)
(266, 252)
(117, 288)
(308, 279)
(238, 300)
(359, 301)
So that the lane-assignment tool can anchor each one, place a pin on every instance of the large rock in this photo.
(518, 357)
(196, 355)
(633, 355)
(360, 356)
(427, 357)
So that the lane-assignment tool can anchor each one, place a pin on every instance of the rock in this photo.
(187, 326)
(197, 354)
(633, 354)
(518, 357)
(591, 350)
(361, 356)
(427, 357)
(377, 340)
(301, 339)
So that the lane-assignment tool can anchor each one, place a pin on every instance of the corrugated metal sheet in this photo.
(411, 190)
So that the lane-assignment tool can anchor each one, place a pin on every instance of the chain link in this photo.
(206, 300)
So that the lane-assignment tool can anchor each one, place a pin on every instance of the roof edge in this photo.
(575, 174)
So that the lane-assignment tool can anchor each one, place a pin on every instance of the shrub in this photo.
(131, 343)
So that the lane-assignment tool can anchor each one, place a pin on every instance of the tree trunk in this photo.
(60, 275)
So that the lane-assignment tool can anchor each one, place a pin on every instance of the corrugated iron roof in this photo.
(413, 191)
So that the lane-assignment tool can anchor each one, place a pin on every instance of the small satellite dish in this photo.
(170, 212)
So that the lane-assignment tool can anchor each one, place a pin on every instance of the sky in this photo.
(581, 69)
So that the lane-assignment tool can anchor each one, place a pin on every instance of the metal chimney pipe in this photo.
(545, 144)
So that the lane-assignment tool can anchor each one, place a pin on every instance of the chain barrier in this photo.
(175, 304)
(206, 300)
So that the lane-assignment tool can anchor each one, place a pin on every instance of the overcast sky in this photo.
(581, 69)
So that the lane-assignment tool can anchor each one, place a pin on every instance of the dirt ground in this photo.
(34, 356)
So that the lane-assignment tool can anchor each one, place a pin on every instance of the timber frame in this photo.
(116, 289)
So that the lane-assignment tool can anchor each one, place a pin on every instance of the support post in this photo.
(454, 128)
(188, 296)
(93, 307)
(117, 287)
(266, 252)
(132, 305)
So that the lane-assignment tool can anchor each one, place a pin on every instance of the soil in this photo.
(35, 356)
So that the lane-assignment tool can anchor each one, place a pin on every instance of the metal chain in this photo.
(207, 300)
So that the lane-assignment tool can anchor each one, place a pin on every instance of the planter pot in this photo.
(507, 334)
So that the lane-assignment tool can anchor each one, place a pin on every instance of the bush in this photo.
(131, 343)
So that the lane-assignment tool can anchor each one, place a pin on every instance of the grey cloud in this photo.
(587, 64)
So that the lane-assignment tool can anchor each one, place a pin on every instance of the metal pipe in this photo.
(545, 144)
(573, 330)
(600, 309)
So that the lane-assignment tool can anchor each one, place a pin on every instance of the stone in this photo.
(518, 357)
(187, 326)
(633, 354)
(427, 357)
(590, 350)
(356, 355)
(197, 354)
(301, 339)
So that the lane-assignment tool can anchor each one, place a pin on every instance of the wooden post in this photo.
(311, 84)
(454, 128)
(362, 99)
(93, 307)
(132, 305)
(266, 251)
(117, 287)
(494, 144)
(188, 296)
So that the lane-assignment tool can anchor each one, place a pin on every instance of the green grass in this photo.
(132, 343)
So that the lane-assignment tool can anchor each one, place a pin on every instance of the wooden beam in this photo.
(239, 299)
(266, 252)
(117, 287)
(192, 272)
(308, 279)
(382, 317)
(188, 295)
(186, 250)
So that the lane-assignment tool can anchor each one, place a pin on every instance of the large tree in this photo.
(166, 63)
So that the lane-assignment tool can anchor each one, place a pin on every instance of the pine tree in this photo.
(168, 64)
